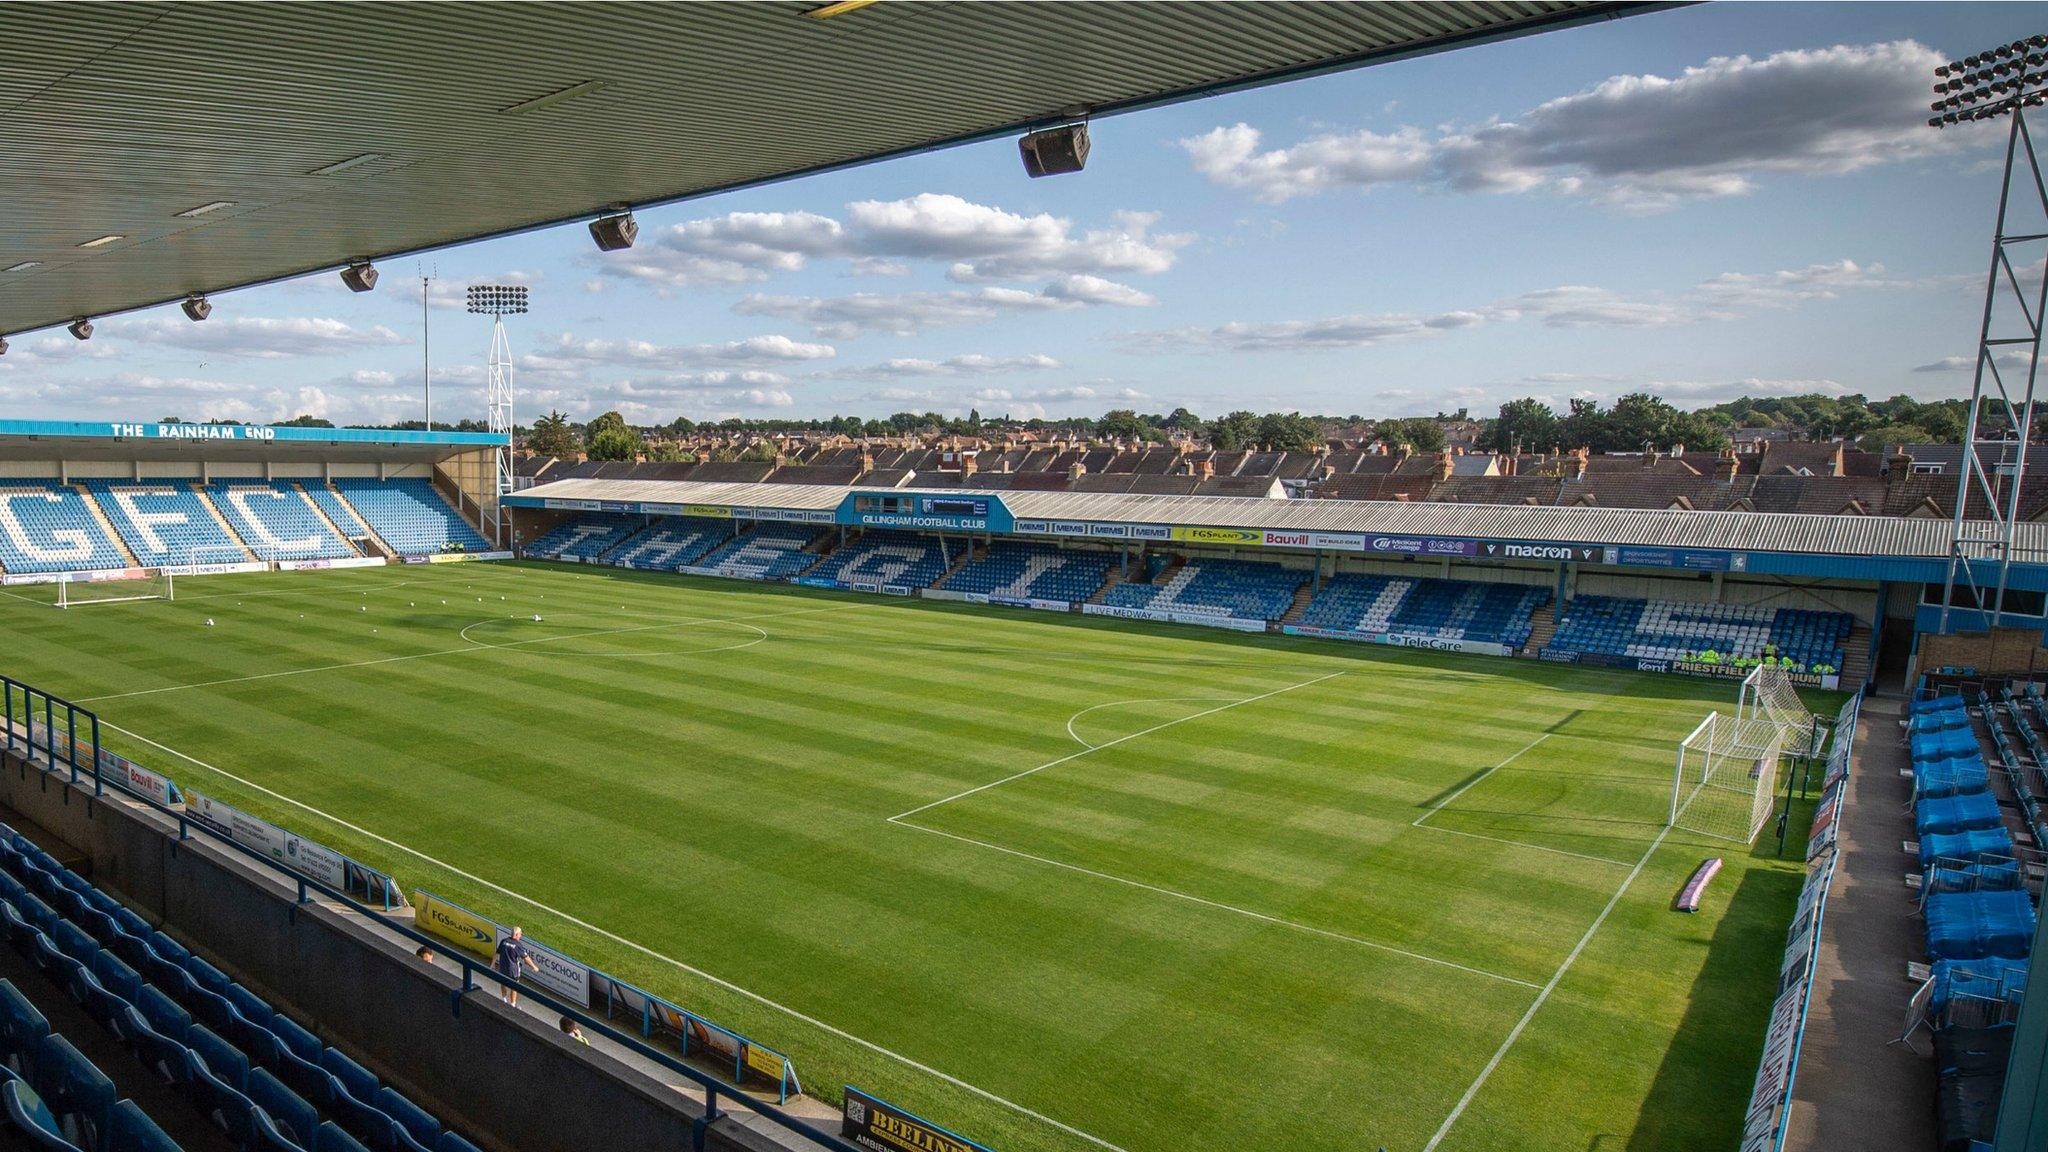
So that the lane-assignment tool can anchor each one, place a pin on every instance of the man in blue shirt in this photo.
(512, 953)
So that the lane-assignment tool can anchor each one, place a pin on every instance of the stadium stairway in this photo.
(1302, 596)
(345, 518)
(106, 525)
(320, 514)
(1856, 658)
(965, 557)
(1115, 577)
(220, 518)
(1543, 625)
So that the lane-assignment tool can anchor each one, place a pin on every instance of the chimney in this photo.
(1445, 465)
(1404, 451)
(970, 463)
(1724, 467)
(1835, 462)
(1575, 464)
(1901, 463)
(1075, 471)
(781, 460)
(867, 462)
(1206, 469)
(1678, 451)
(1329, 472)
(703, 456)
(1650, 461)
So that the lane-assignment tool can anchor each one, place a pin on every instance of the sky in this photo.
(1723, 200)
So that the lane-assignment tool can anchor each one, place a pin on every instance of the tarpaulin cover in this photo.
(1970, 1066)
(1992, 978)
(1943, 745)
(1938, 778)
(1955, 814)
(1972, 925)
(1987, 875)
(1965, 846)
(1937, 703)
(1941, 721)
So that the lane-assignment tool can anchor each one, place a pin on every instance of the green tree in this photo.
(552, 436)
(614, 444)
(1236, 430)
(1119, 423)
(1528, 422)
(1288, 432)
(1420, 433)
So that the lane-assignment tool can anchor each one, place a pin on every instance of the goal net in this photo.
(1769, 697)
(145, 584)
(1727, 777)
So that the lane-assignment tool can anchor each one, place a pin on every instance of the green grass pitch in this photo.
(1057, 883)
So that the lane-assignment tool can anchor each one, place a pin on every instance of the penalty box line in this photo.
(1422, 820)
(902, 820)
(680, 965)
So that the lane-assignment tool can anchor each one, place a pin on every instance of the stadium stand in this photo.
(409, 516)
(276, 521)
(1240, 589)
(1428, 607)
(1030, 570)
(166, 522)
(47, 527)
(1678, 630)
(586, 539)
(770, 552)
(880, 556)
(677, 542)
(262, 1079)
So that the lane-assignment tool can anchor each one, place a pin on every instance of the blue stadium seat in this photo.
(47, 527)
(221, 1102)
(224, 1061)
(165, 522)
(450, 1142)
(163, 1013)
(297, 1040)
(296, 1119)
(769, 552)
(366, 1122)
(1682, 630)
(269, 1136)
(276, 520)
(335, 1139)
(675, 542)
(408, 514)
(21, 1026)
(1033, 570)
(80, 1094)
(131, 1130)
(901, 559)
(1236, 589)
(356, 1080)
(164, 1055)
(586, 539)
(1491, 613)
(32, 1118)
(116, 976)
(410, 1116)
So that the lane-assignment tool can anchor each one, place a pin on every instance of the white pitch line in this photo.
(1474, 782)
(1487, 1072)
(1113, 743)
(1525, 844)
(1121, 703)
(634, 945)
(471, 646)
(1219, 905)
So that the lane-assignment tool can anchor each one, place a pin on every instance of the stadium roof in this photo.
(1799, 533)
(78, 440)
(225, 145)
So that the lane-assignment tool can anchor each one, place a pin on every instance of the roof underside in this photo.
(1732, 531)
(118, 117)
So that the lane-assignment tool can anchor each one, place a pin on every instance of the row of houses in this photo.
(1759, 476)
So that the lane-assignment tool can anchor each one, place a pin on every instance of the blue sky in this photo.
(1719, 200)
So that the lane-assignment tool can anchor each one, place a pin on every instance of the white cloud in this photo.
(2007, 360)
(980, 242)
(973, 364)
(1355, 331)
(907, 313)
(752, 350)
(1635, 142)
(259, 337)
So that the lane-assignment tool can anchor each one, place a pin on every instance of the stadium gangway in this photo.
(20, 744)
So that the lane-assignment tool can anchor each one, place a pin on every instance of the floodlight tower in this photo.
(2009, 80)
(499, 301)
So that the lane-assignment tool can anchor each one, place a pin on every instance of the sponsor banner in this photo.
(558, 974)
(1510, 550)
(1031, 602)
(217, 569)
(1031, 527)
(892, 520)
(1119, 531)
(874, 1123)
(454, 923)
(765, 1062)
(460, 557)
(1069, 528)
(1205, 619)
(1151, 532)
(1224, 536)
(618, 505)
(244, 829)
(1321, 541)
(1726, 671)
(707, 511)
(1694, 559)
(570, 505)
(1559, 656)
(794, 515)
(321, 863)
(1421, 546)
(296, 852)
(857, 585)
(137, 778)
(1397, 640)
(340, 562)
(897, 590)
(1773, 1076)
(807, 581)
(955, 597)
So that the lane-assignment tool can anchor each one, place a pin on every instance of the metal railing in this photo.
(22, 743)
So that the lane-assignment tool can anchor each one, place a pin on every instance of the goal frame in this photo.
(162, 582)
(1719, 745)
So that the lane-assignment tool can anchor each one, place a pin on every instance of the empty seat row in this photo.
(1240, 589)
(1493, 613)
(1033, 570)
(770, 552)
(409, 515)
(1678, 630)
(165, 522)
(277, 521)
(882, 556)
(586, 538)
(254, 1073)
(47, 527)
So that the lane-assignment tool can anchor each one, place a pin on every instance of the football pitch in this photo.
(1058, 883)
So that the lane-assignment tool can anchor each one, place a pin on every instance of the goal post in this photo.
(1726, 779)
(84, 589)
(1769, 697)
